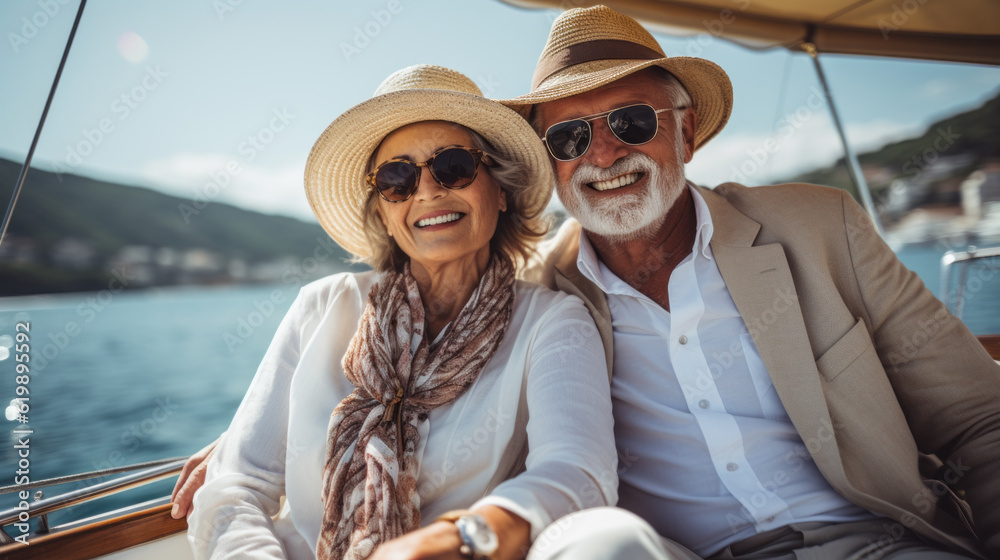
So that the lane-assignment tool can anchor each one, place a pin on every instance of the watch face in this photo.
(481, 535)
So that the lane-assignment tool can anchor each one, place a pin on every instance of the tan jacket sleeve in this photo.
(946, 383)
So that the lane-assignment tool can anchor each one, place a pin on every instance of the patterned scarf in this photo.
(370, 475)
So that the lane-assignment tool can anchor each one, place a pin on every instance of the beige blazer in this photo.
(874, 372)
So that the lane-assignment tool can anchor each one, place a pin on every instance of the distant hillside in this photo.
(64, 235)
(975, 133)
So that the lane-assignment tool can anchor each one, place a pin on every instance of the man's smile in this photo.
(617, 182)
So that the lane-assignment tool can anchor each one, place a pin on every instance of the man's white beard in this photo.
(626, 216)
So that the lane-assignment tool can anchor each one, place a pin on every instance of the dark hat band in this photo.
(605, 49)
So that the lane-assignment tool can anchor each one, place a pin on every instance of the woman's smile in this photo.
(438, 220)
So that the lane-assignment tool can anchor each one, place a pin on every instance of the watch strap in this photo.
(468, 547)
(453, 515)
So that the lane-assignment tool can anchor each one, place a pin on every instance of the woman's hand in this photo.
(441, 540)
(437, 541)
(192, 478)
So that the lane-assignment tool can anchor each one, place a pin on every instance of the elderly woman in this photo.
(435, 407)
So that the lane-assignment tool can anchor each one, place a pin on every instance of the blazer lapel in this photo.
(761, 285)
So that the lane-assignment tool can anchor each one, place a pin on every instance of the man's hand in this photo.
(192, 478)
(437, 541)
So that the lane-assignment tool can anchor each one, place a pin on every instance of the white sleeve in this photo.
(572, 461)
(246, 474)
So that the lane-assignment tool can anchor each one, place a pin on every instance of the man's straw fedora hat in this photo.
(337, 165)
(592, 47)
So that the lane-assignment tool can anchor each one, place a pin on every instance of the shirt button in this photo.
(769, 519)
(732, 467)
(683, 339)
(703, 403)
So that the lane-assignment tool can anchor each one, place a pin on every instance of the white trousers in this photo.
(613, 533)
(603, 534)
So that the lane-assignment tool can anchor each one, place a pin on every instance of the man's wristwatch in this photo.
(478, 539)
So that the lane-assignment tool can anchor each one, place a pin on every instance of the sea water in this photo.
(122, 378)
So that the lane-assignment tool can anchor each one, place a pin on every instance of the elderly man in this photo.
(779, 377)
(783, 387)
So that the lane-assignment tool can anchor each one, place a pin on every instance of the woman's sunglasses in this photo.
(634, 124)
(453, 167)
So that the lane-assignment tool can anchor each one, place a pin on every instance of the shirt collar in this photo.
(595, 271)
(588, 263)
(703, 237)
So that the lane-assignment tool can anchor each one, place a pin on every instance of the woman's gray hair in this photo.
(518, 228)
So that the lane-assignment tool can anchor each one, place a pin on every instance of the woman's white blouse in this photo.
(276, 444)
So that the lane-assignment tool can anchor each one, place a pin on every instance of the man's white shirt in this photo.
(707, 453)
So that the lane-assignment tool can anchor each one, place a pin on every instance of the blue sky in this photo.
(169, 94)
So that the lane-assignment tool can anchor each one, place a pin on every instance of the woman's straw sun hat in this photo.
(338, 162)
(591, 47)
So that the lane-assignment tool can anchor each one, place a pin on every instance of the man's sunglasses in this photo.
(453, 167)
(634, 124)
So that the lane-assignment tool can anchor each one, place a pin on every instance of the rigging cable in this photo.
(38, 132)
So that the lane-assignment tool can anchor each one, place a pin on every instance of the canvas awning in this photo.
(951, 30)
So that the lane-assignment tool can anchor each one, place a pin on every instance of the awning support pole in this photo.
(853, 167)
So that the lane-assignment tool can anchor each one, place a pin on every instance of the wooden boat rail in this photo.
(94, 540)
(991, 343)
(138, 475)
